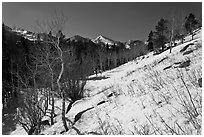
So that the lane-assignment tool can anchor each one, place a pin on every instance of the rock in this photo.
(62, 132)
(184, 64)
(94, 133)
(187, 52)
(110, 95)
(176, 63)
(78, 115)
(168, 67)
(45, 122)
(200, 82)
(162, 59)
(184, 48)
(101, 102)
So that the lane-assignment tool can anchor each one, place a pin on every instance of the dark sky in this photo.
(119, 21)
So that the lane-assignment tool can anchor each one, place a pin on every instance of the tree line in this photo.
(172, 29)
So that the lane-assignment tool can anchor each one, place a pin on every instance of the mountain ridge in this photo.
(101, 39)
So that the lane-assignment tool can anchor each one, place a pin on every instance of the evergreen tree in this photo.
(150, 41)
(3, 32)
(191, 24)
(161, 34)
(200, 20)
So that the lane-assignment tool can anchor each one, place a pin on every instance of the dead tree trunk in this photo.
(52, 95)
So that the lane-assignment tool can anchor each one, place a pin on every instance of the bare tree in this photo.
(56, 25)
(101, 54)
(46, 59)
(176, 27)
(32, 105)
(63, 59)
(114, 58)
(31, 112)
(180, 30)
(172, 27)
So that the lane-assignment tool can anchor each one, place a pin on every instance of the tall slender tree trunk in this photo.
(101, 63)
(59, 86)
(63, 111)
(51, 93)
(182, 40)
(115, 59)
(53, 106)
(52, 100)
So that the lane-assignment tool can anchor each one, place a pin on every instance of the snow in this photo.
(127, 46)
(103, 40)
(19, 131)
(135, 101)
(26, 34)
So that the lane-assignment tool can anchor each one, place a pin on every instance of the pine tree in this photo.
(200, 20)
(191, 24)
(150, 41)
(3, 32)
(161, 34)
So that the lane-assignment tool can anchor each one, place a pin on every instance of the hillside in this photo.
(153, 94)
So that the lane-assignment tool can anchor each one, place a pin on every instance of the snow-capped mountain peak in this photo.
(105, 40)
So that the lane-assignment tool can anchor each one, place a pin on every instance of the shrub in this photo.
(31, 111)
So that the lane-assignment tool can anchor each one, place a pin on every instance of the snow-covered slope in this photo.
(149, 95)
(26, 34)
